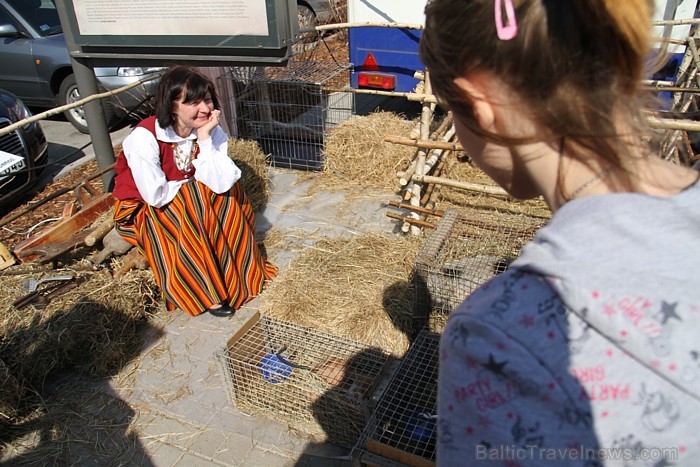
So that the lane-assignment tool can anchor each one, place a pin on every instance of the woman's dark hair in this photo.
(172, 84)
(576, 64)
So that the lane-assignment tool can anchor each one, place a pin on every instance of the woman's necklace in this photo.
(597, 177)
(183, 160)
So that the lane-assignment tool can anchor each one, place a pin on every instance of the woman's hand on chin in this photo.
(205, 130)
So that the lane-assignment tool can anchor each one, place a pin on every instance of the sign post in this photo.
(106, 33)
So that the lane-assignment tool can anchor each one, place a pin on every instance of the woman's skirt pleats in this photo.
(201, 246)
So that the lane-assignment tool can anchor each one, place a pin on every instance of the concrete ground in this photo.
(176, 387)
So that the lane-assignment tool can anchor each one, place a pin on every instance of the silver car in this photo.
(36, 65)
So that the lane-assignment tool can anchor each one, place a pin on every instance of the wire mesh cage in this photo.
(290, 110)
(403, 426)
(317, 383)
(468, 247)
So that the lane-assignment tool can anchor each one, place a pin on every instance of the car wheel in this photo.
(305, 16)
(68, 93)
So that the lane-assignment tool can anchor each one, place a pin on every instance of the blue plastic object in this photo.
(273, 370)
(420, 425)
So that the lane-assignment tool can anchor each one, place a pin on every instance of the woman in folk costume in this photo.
(179, 202)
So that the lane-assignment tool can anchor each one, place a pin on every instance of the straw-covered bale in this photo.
(254, 176)
(356, 155)
(357, 288)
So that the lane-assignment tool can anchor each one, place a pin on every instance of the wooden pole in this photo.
(425, 144)
(405, 177)
(394, 25)
(425, 120)
(475, 187)
(61, 109)
(411, 96)
(672, 124)
(433, 190)
(411, 220)
(422, 210)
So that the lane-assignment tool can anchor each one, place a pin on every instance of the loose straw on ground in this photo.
(356, 155)
(357, 288)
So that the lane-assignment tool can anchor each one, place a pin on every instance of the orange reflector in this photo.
(376, 80)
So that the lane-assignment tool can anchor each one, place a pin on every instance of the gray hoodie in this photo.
(587, 350)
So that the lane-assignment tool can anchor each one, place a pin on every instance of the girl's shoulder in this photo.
(513, 292)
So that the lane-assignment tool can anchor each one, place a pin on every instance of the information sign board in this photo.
(203, 32)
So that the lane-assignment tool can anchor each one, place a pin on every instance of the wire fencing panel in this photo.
(289, 111)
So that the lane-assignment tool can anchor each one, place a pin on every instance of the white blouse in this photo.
(213, 166)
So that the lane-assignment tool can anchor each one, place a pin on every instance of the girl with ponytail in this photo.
(584, 351)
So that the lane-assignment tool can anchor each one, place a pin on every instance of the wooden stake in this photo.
(411, 220)
(425, 119)
(99, 232)
(478, 188)
(425, 144)
(432, 212)
(432, 191)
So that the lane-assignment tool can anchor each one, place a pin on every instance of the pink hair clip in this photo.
(508, 30)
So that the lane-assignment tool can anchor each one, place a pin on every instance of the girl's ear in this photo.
(479, 94)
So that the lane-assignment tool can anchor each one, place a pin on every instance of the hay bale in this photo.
(358, 289)
(254, 177)
(356, 155)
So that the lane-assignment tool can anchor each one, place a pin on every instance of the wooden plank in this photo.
(47, 252)
(247, 326)
(389, 452)
(372, 460)
(64, 229)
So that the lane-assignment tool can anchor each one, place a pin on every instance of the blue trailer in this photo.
(674, 50)
(385, 58)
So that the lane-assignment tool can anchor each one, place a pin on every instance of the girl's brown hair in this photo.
(176, 80)
(577, 65)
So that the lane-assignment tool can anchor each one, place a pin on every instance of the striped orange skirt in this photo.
(201, 247)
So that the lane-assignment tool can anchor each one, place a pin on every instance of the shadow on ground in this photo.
(55, 400)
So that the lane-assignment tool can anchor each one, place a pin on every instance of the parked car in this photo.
(36, 65)
(23, 152)
(316, 12)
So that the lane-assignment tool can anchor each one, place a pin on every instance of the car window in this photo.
(41, 14)
(5, 18)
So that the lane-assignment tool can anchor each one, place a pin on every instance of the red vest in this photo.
(124, 185)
